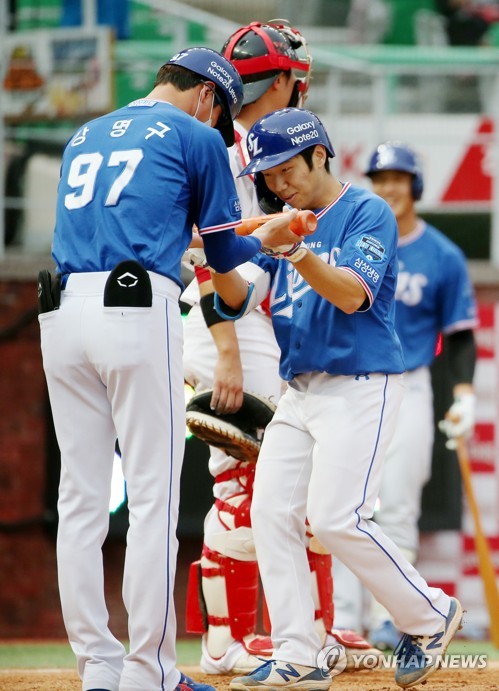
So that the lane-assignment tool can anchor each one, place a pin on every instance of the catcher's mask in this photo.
(276, 138)
(397, 156)
(260, 52)
(214, 67)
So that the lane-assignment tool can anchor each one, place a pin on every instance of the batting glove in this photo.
(459, 420)
(196, 256)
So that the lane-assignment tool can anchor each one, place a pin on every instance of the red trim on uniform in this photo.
(217, 229)
(323, 211)
(361, 281)
(265, 305)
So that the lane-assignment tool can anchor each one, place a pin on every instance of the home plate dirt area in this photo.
(370, 680)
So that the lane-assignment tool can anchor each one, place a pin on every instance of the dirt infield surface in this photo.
(443, 680)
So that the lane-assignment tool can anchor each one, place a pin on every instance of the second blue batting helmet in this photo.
(397, 156)
(213, 67)
(276, 138)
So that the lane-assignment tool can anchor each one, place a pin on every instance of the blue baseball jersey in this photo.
(133, 183)
(357, 233)
(434, 293)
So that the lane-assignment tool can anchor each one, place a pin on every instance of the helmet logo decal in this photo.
(252, 144)
(221, 75)
(386, 156)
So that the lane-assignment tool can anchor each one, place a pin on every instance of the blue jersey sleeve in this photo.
(457, 305)
(369, 247)
(214, 191)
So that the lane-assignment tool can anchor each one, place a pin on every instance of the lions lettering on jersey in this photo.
(433, 295)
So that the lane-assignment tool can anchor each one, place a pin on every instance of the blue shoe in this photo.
(188, 684)
(275, 674)
(420, 656)
(385, 637)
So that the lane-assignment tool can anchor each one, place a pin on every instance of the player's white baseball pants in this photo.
(322, 457)
(116, 372)
(407, 468)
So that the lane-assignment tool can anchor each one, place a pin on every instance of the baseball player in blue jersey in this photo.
(275, 64)
(133, 183)
(434, 295)
(332, 305)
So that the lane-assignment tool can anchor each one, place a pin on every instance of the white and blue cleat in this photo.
(276, 674)
(420, 656)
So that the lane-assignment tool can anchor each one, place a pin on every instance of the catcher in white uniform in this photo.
(228, 359)
(434, 295)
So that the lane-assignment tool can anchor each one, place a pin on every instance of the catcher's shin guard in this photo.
(320, 563)
(222, 600)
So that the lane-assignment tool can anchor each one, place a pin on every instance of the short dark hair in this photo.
(184, 79)
(307, 156)
(181, 78)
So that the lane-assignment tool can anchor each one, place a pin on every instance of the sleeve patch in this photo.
(235, 206)
(371, 248)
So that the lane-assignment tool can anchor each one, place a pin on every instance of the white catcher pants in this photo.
(117, 372)
(322, 457)
(260, 362)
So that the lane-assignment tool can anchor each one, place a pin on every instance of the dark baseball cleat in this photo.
(420, 656)
(188, 684)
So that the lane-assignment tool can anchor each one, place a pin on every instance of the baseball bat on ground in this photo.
(304, 223)
(485, 562)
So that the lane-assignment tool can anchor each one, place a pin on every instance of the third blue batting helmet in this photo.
(276, 138)
(397, 156)
(213, 67)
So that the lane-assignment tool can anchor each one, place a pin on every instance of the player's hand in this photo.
(194, 254)
(459, 419)
(227, 384)
(276, 232)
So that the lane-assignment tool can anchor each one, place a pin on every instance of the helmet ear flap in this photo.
(269, 202)
(417, 186)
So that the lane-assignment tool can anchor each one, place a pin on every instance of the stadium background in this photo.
(382, 72)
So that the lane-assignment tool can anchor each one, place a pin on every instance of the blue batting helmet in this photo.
(213, 67)
(276, 138)
(397, 156)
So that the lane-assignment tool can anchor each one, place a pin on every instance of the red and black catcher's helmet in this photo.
(259, 52)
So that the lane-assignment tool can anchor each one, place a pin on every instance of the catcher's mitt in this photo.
(238, 434)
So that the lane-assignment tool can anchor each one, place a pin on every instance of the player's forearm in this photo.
(335, 285)
(232, 288)
(225, 250)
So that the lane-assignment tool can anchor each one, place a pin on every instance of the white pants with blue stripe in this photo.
(116, 372)
(322, 457)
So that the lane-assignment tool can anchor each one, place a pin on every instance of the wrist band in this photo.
(210, 314)
(298, 254)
